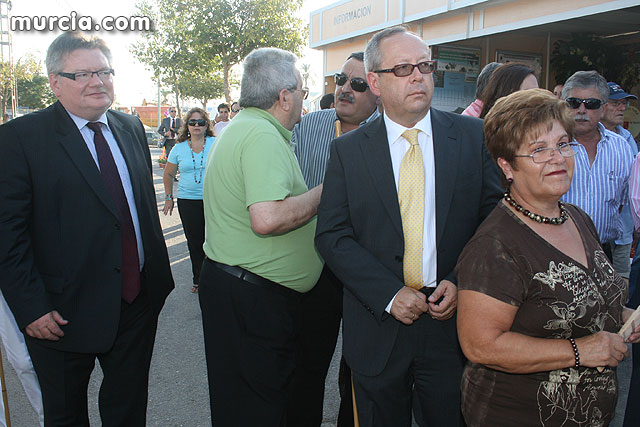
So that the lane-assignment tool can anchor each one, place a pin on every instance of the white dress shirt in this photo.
(121, 164)
(398, 146)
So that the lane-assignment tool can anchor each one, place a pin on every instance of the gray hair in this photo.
(71, 41)
(266, 72)
(372, 54)
(586, 80)
(483, 77)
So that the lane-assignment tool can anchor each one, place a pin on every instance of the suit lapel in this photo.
(73, 143)
(446, 147)
(375, 152)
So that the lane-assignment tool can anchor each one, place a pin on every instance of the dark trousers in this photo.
(192, 217)
(168, 145)
(249, 336)
(122, 400)
(427, 357)
(319, 326)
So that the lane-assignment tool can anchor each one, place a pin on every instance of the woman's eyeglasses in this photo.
(357, 83)
(197, 122)
(543, 155)
(589, 103)
(404, 70)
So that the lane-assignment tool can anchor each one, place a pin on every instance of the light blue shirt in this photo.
(121, 165)
(191, 166)
(601, 188)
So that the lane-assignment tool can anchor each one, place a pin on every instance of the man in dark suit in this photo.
(83, 264)
(169, 130)
(397, 208)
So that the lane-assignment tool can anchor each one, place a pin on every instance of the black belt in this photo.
(254, 279)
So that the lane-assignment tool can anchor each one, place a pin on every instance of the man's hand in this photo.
(408, 305)
(46, 327)
(167, 133)
(447, 307)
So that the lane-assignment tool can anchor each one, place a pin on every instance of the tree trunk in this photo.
(227, 95)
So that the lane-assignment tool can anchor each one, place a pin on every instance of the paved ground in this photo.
(178, 393)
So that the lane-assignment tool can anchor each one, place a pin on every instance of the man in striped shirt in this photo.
(355, 105)
(603, 160)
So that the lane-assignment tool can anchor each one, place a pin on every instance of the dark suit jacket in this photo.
(61, 242)
(359, 231)
(165, 126)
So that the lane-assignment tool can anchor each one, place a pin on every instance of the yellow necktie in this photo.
(411, 198)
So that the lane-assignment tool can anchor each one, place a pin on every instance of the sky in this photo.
(133, 82)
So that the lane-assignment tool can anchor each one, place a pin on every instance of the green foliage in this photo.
(585, 51)
(202, 87)
(35, 93)
(204, 39)
(24, 70)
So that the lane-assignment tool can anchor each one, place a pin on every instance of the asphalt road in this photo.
(178, 391)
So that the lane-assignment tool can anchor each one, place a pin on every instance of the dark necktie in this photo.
(173, 126)
(130, 262)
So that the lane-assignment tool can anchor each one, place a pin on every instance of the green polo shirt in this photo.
(252, 162)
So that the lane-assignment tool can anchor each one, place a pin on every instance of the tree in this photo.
(226, 31)
(35, 93)
(586, 51)
(168, 50)
(24, 69)
(202, 87)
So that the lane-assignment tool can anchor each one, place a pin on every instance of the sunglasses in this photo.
(197, 122)
(404, 70)
(589, 103)
(172, 111)
(357, 83)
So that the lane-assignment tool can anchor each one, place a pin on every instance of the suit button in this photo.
(117, 226)
(398, 258)
(116, 269)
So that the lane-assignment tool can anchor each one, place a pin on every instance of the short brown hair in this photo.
(520, 116)
(183, 132)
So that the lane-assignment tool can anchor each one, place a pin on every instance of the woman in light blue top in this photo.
(189, 155)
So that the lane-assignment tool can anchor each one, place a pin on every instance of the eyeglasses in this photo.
(85, 76)
(304, 90)
(235, 110)
(172, 111)
(619, 102)
(357, 83)
(403, 70)
(543, 155)
(589, 103)
(197, 122)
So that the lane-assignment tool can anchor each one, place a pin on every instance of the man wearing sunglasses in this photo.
(355, 106)
(401, 198)
(602, 163)
(169, 129)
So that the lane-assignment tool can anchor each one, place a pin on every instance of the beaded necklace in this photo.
(193, 158)
(538, 218)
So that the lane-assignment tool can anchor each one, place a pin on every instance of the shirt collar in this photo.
(395, 130)
(80, 122)
(286, 134)
(373, 116)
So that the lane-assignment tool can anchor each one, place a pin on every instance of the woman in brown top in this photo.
(539, 303)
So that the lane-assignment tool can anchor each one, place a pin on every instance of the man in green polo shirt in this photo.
(260, 225)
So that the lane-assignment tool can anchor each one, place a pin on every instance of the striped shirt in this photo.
(634, 194)
(601, 188)
(311, 140)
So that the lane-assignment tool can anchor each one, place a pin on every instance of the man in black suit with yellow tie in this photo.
(402, 195)
(83, 264)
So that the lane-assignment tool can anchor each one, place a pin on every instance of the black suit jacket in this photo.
(359, 231)
(61, 242)
(165, 126)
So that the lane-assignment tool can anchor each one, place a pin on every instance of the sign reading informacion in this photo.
(356, 13)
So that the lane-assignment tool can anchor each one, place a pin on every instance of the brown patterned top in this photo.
(557, 298)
